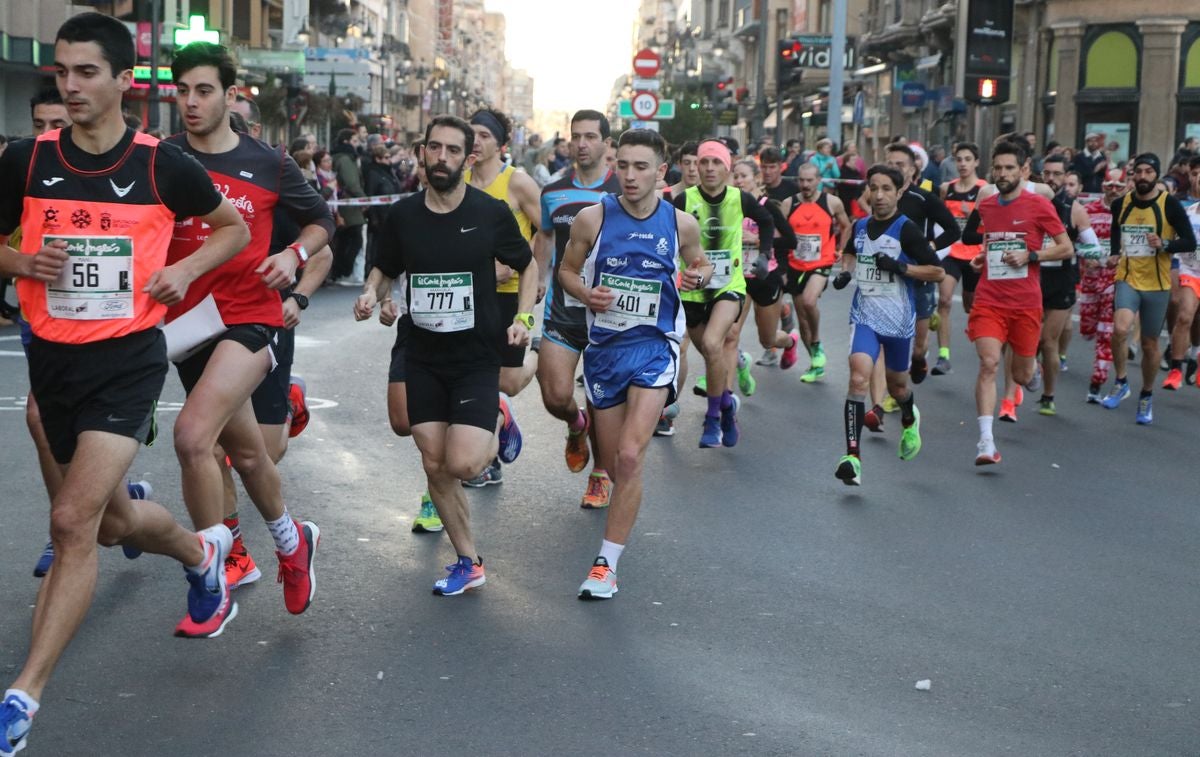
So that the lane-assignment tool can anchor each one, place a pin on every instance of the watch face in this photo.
(301, 300)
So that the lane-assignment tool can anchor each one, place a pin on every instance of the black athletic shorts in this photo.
(796, 280)
(697, 313)
(252, 336)
(270, 399)
(396, 372)
(1058, 288)
(962, 271)
(460, 396)
(510, 357)
(111, 386)
(572, 335)
(765, 292)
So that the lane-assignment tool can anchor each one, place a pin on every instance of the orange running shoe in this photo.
(1174, 379)
(1008, 411)
(577, 453)
(1018, 396)
(599, 489)
(298, 406)
(240, 569)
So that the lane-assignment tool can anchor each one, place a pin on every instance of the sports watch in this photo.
(301, 253)
(525, 319)
(300, 299)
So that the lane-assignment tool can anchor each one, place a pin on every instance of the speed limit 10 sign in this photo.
(644, 105)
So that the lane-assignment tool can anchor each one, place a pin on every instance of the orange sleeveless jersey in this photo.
(816, 247)
(117, 230)
(960, 205)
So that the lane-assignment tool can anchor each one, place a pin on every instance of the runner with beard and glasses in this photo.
(446, 240)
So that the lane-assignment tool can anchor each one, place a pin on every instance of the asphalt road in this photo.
(765, 608)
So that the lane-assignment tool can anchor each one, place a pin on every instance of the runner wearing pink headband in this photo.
(713, 149)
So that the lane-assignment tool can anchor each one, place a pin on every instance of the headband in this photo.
(492, 124)
(714, 149)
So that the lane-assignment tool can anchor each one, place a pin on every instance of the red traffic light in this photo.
(721, 85)
(987, 89)
(790, 51)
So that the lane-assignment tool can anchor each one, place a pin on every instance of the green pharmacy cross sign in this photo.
(196, 32)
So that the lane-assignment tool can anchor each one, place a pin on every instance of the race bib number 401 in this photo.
(637, 303)
(442, 301)
(97, 281)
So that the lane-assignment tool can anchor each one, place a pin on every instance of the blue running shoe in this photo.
(1145, 411)
(711, 435)
(730, 433)
(137, 490)
(1119, 392)
(209, 594)
(464, 574)
(510, 432)
(45, 561)
(15, 721)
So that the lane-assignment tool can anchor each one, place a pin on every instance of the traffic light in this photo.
(723, 94)
(740, 94)
(986, 90)
(788, 70)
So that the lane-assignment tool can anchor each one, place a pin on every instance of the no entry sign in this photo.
(646, 63)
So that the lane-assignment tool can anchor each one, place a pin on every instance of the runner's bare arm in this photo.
(376, 288)
(1061, 250)
(543, 247)
(229, 235)
(699, 268)
(845, 228)
(933, 273)
(43, 266)
(279, 270)
(583, 234)
(527, 289)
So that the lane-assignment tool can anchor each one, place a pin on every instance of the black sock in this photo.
(1121, 380)
(1176, 365)
(1047, 398)
(854, 424)
(1145, 393)
(906, 410)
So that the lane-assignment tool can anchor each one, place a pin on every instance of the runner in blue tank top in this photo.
(620, 263)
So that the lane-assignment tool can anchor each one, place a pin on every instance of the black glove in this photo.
(761, 267)
(890, 264)
(841, 280)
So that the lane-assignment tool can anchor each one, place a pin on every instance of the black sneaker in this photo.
(1189, 373)
(490, 476)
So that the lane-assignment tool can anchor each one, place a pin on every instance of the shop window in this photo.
(1112, 62)
(1191, 66)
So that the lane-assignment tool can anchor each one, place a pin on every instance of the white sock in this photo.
(611, 553)
(285, 533)
(29, 703)
(209, 556)
(1192, 351)
(985, 427)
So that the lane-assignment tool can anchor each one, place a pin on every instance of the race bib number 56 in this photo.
(97, 281)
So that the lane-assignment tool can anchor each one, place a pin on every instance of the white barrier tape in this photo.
(360, 201)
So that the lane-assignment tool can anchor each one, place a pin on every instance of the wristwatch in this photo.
(525, 319)
(301, 253)
(1033, 256)
(300, 299)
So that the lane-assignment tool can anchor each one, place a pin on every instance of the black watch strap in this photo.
(300, 299)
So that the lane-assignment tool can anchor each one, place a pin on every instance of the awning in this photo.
(929, 61)
(769, 121)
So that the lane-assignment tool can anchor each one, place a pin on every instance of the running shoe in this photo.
(427, 522)
(1018, 396)
(1174, 379)
(510, 432)
(665, 427)
(812, 375)
(1093, 395)
(730, 433)
(1008, 411)
(790, 354)
(1145, 411)
(910, 437)
(137, 490)
(1046, 407)
(788, 321)
(601, 582)
(710, 436)
(210, 606)
(1035, 383)
(45, 560)
(770, 358)
(817, 353)
(489, 476)
(985, 452)
(873, 419)
(577, 453)
(918, 369)
(464, 574)
(700, 388)
(935, 321)
(890, 405)
(598, 492)
(296, 570)
(15, 722)
(240, 569)
(671, 411)
(849, 470)
(1119, 392)
(941, 367)
(298, 406)
(1189, 373)
(746, 380)
(1062, 364)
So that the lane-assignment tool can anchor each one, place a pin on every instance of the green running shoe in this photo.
(1046, 407)
(818, 356)
(813, 375)
(700, 388)
(428, 521)
(746, 381)
(910, 438)
(849, 470)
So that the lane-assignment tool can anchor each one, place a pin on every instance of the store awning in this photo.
(769, 121)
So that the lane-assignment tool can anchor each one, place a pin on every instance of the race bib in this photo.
(1047, 243)
(1134, 242)
(442, 301)
(722, 263)
(808, 248)
(996, 267)
(97, 281)
(873, 282)
(637, 303)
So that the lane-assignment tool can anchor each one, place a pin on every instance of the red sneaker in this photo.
(790, 354)
(1174, 379)
(1008, 411)
(240, 569)
(873, 420)
(296, 570)
(297, 394)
